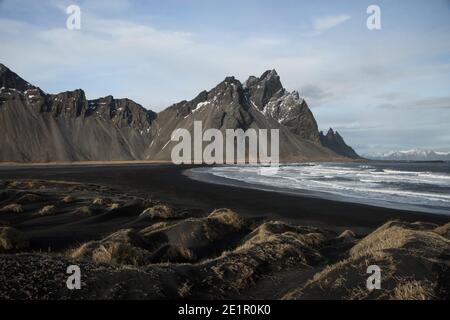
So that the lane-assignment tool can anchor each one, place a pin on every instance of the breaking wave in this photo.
(419, 187)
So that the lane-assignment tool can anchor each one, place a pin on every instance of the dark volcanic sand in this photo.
(169, 183)
(148, 232)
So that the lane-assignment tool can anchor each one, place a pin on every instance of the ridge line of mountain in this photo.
(40, 127)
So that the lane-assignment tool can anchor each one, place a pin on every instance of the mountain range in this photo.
(39, 127)
(412, 155)
(334, 141)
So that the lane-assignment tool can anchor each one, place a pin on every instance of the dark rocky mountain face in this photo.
(334, 141)
(40, 127)
(291, 111)
(9, 79)
(262, 89)
(231, 105)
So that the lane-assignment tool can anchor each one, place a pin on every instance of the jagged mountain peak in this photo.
(108, 97)
(10, 80)
(268, 95)
(237, 105)
(269, 74)
(228, 94)
(78, 91)
(334, 141)
(330, 132)
(231, 80)
(41, 127)
(4, 69)
(229, 84)
(295, 94)
(264, 76)
(263, 89)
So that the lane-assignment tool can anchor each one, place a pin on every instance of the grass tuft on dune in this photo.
(12, 208)
(12, 239)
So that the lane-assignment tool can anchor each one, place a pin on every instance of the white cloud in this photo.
(323, 24)
(137, 56)
(157, 66)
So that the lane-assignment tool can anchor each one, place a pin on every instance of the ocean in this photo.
(422, 187)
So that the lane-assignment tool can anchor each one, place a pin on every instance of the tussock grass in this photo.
(114, 206)
(13, 184)
(394, 235)
(12, 208)
(184, 291)
(111, 253)
(276, 231)
(347, 235)
(100, 201)
(12, 239)
(68, 199)
(31, 185)
(159, 211)
(411, 257)
(414, 290)
(47, 211)
(154, 227)
(119, 248)
(443, 230)
(229, 217)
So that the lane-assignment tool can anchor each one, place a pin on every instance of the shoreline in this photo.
(169, 183)
(209, 177)
(131, 162)
(150, 232)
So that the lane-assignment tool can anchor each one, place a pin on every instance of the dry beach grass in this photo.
(130, 247)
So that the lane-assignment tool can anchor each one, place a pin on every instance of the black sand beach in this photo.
(148, 231)
(171, 184)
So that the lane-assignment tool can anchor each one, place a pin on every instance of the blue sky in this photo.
(383, 90)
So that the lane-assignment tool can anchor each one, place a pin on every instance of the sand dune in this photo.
(139, 248)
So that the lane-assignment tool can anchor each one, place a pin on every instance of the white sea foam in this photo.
(425, 190)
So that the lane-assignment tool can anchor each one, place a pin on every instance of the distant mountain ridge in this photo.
(39, 127)
(334, 141)
(412, 155)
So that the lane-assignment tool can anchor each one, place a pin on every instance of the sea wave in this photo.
(424, 188)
